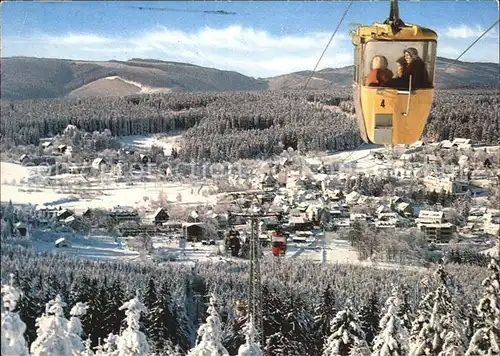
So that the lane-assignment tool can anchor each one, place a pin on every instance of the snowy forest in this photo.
(228, 126)
(55, 304)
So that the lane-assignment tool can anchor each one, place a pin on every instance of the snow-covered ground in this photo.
(98, 247)
(93, 248)
(105, 197)
(144, 88)
(145, 142)
(11, 171)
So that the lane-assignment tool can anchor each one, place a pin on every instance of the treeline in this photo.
(234, 125)
(293, 297)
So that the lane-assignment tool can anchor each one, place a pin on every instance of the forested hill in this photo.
(229, 126)
(36, 78)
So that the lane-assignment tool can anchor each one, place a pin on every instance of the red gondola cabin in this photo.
(278, 243)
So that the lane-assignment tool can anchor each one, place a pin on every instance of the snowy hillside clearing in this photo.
(145, 142)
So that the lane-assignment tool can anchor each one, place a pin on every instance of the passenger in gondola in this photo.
(399, 80)
(379, 73)
(416, 68)
(400, 67)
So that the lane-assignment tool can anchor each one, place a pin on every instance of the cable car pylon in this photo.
(254, 305)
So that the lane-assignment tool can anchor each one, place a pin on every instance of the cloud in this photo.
(466, 31)
(448, 51)
(77, 39)
(246, 50)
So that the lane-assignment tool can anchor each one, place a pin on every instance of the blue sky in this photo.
(263, 39)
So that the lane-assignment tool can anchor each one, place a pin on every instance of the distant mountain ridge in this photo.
(34, 78)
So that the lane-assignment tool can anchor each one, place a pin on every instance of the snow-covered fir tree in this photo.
(88, 348)
(404, 311)
(75, 329)
(160, 322)
(360, 348)
(170, 350)
(251, 347)
(369, 317)
(209, 335)
(291, 331)
(13, 328)
(345, 333)
(486, 339)
(132, 342)
(235, 335)
(52, 333)
(109, 348)
(392, 340)
(324, 313)
(440, 323)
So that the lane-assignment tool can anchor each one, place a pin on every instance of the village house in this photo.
(352, 198)
(62, 149)
(21, 229)
(448, 184)
(24, 159)
(359, 217)
(63, 214)
(73, 222)
(300, 223)
(460, 143)
(194, 231)
(404, 209)
(62, 242)
(46, 144)
(46, 212)
(99, 163)
(160, 216)
(119, 214)
(145, 159)
(432, 224)
(417, 144)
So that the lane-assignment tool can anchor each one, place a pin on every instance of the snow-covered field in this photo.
(96, 247)
(145, 142)
(144, 88)
(105, 197)
(12, 171)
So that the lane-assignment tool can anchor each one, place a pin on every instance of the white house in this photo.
(448, 184)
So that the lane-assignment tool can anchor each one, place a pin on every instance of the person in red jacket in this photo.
(416, 68)
(379, 73)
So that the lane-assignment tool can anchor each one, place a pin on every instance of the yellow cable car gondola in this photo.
(393, 79)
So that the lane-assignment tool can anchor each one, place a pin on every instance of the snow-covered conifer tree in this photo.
(360, 348)
(209, 335)
(345, 333)
(404, 311)
(75, 329)
(170, 350)
(392, 339)
(87, 348)
(132, 342)
(13, 328)
(52, 333)
(109, 348)
(369, 317)
(486, 339)
(441, 323)
(251, 347)
(324, 313)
